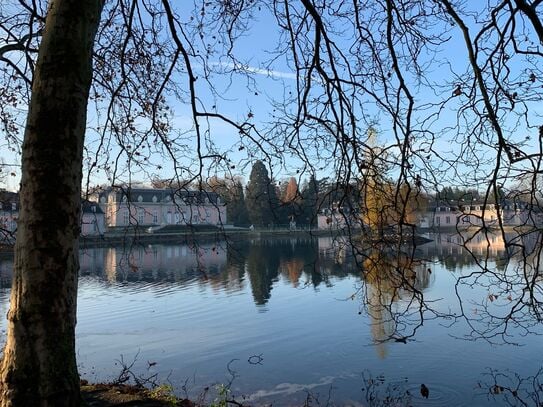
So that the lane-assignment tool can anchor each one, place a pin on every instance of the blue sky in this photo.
(240, 101)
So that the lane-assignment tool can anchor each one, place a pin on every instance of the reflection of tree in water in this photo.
(503, 267)
(511, 283)
(511, 389)
(393, 296)
(262, 268)
(292, 269)
(294, 258)
(378, 392)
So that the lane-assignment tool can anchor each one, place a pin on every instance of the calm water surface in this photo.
(286, 318)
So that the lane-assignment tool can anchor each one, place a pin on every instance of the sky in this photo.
(254, 103)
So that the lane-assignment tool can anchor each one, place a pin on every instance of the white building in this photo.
(159, 207)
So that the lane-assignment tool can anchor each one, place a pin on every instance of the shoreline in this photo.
(211, 233)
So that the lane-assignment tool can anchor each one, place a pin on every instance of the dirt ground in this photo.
(109, 395)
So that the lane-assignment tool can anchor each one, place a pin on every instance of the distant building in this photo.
(338, 218)
(445, 215)
(92, 216)
(9, 213)
(442, 215)
(92, 219)
(159, 207)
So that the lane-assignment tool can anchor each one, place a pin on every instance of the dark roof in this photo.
(7, 199)
(161, 195)
(90, 207)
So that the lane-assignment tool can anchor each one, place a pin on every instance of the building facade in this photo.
(92, 219)
(479, 214)
(151, 207)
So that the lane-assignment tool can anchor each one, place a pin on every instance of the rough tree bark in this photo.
(39, 366)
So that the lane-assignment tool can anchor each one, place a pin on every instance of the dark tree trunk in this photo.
(39, 365)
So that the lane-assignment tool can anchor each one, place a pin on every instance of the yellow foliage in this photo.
(384, 204)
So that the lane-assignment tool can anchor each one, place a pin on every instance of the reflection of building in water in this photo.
(527, 257)
(91, 261)
(337, 247)
(6, 271)
(465, 243)
(171, 262)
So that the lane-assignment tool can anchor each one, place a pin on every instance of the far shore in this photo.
(183, 234)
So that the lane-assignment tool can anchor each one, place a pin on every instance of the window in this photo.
(448, 220)
(438, 220)
(155, 216)
(141, 216)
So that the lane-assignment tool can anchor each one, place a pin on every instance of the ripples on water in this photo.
(325, 324)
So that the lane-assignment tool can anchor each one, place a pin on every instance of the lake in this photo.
(307, 320)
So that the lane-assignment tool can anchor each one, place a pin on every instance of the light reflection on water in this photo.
(323, 320)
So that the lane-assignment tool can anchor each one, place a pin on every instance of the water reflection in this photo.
(320, 312)
(390, 280)
(506, 387)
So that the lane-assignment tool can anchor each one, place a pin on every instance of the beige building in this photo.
(92, 218)
(478, 214)
(160, 207)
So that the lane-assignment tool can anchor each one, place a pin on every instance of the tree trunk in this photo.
(39, 365)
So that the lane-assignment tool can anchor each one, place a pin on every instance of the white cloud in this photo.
(254, 70)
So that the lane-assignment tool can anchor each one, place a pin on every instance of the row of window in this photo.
(185, 200)
(171, 218)
(465, 208)
(464, 219)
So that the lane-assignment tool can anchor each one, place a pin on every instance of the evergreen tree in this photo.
(231, 191)
(236, 209)
(261, 198)
(310, 201)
